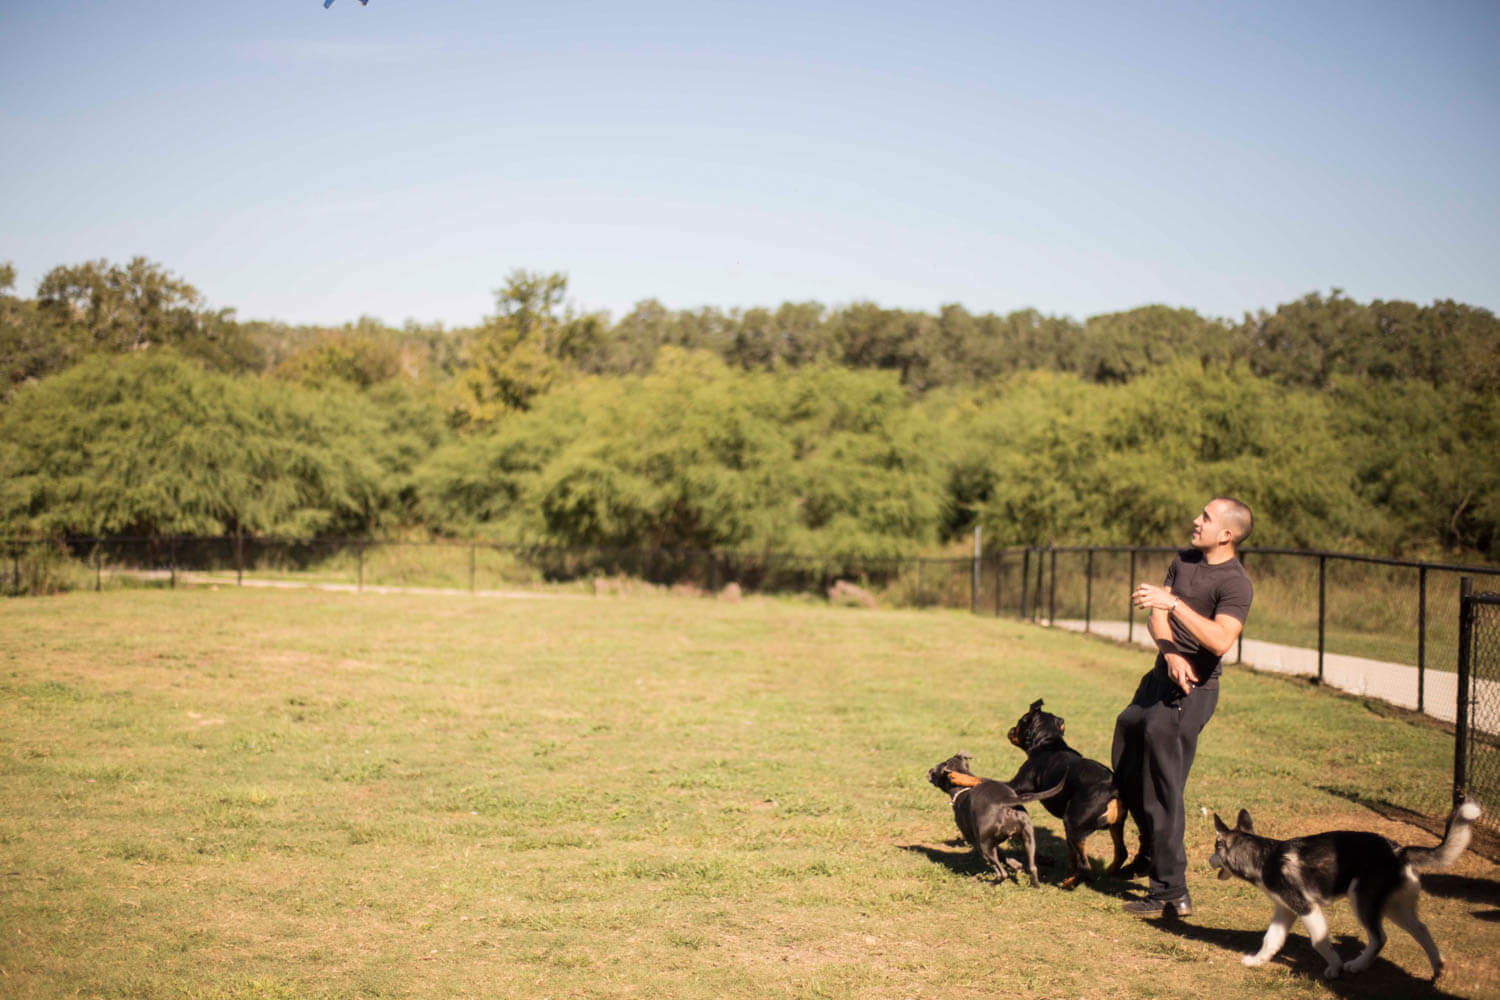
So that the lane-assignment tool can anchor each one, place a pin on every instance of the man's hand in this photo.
(1154, 598)
(1181, 672)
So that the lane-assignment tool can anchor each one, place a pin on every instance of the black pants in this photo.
(1156, 738)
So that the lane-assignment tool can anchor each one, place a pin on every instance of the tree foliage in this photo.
(151, 444)
(698, 455)
(127, 405)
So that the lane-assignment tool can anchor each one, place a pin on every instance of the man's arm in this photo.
(1159, 624)
(1217, 634)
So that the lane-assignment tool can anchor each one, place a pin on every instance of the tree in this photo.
(522, 350)
(1307, 342)
(98, 307)
(29, 348)
(150, 444)
(1120, 346)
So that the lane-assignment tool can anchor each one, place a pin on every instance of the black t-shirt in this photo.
(1211, 590)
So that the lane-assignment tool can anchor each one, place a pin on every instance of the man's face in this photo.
(1209, 527)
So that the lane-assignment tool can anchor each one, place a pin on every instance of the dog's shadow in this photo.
(963, 860)
(1478, 891)
(1382, 979)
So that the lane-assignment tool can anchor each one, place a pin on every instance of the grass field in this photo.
(245, 793)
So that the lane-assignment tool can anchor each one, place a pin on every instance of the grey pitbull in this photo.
(988, 813)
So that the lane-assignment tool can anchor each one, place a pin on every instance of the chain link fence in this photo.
(1476, 763)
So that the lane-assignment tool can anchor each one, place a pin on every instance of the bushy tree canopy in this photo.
(151, 444)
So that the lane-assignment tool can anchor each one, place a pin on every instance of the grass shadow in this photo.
(1484, 842)
(1051, 861)
(1381, 980)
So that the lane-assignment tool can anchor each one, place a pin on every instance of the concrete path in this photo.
(1395, 683)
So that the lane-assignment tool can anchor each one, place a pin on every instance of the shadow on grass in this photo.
(1485, 842)
(1382, 979)
(1051, 861)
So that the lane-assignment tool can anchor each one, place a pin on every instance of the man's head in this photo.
(1223, 525)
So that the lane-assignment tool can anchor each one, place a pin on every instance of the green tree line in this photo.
(128, 405)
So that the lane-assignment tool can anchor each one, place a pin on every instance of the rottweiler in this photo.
(1089, 800)
(988, 813)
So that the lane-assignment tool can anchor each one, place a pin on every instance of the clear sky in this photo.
(399, 160)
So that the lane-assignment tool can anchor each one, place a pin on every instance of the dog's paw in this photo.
(1252, 961)
(1358, 965)
(1332, 972)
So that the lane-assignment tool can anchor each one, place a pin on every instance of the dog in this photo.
(1302, 874)
(1089, 800)
(988, 813)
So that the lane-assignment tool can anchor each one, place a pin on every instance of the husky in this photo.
(1302, 874)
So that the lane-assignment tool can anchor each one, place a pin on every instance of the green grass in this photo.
(261, 794)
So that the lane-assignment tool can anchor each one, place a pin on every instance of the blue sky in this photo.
(399, 160)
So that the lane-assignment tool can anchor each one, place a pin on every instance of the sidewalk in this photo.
(1395, 683)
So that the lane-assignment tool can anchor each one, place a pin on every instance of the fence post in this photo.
(172, 550)
(1421, 638)
(1322, 610)
(359, 551)
(1129, 604)
(999, 578)
(1239, 643)
(1461, 714)
(1052, 588)
(239, 558)
(98, 567)
(1088, 591)
(1025, 579)
(1036, 604)
(974, 582)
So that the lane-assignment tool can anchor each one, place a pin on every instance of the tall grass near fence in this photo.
(252, 793)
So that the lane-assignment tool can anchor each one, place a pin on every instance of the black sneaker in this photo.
(1182, 906)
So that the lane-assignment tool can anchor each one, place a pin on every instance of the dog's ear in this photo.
(1036, 704)
(1244, 823)
(1219, 824)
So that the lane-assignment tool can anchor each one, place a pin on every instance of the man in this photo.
(1196, 617)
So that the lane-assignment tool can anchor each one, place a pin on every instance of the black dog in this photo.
(989, 813)
(1089, 800)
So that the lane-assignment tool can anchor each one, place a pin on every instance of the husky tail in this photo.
(1455, 840)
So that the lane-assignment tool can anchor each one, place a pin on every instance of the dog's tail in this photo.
(1047, 794)
(1455, 840)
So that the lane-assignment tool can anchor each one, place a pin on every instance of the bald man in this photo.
(1196, 616)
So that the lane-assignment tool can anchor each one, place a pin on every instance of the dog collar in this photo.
(954, 800)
